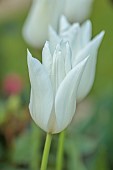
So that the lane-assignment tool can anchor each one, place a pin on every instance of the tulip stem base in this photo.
(46, 152)
(59, 159)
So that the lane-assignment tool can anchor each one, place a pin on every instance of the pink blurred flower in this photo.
(12, 84)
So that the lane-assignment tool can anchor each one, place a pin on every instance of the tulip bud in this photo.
(77, 10)
(42, 14)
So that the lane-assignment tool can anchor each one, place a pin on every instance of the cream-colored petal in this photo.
(72, 35)
(86, 33)
(65, 101)
(64, 24)
(68, 57)
(47, 58)
(41, 99)
(90, 49)
(89, 73)
(82, 38)
(54, 39)
(58, 68)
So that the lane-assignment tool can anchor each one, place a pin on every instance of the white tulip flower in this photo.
(42, 14)
(77, 10)
(79, 38)
(54, 85)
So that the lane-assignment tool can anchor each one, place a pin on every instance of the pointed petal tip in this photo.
(88, 22)
(31, 61)
(63, 23)
(98, 39)
(63, 18)
(28, 52)
(101, 35)
(46, 47)
(46, 44)
(29, 56)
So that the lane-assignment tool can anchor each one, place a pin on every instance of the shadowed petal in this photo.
(90, 49)
(47, 57)
(86, 32)
(64, 24)
(89, 73)
(54, 39)
(65, 101)
(58, 68)
(41, 100)
(68, 56)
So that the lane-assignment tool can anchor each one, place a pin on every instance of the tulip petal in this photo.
(72, 35)
(64, 24)
(41, 100)
(86, 32)
(58, 68)
(54, 39)
(68, 56)
(90, 49)
(65, 101)
(89, 73)
(47, 57)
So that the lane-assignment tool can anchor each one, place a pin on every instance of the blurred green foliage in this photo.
(89, 144)
(102, 19)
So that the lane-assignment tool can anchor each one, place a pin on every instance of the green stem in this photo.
(46, 152)
(59, 159)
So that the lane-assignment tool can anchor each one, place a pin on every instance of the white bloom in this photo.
(79, 38)
(54, 85)
(42, 14)
(77, 10)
